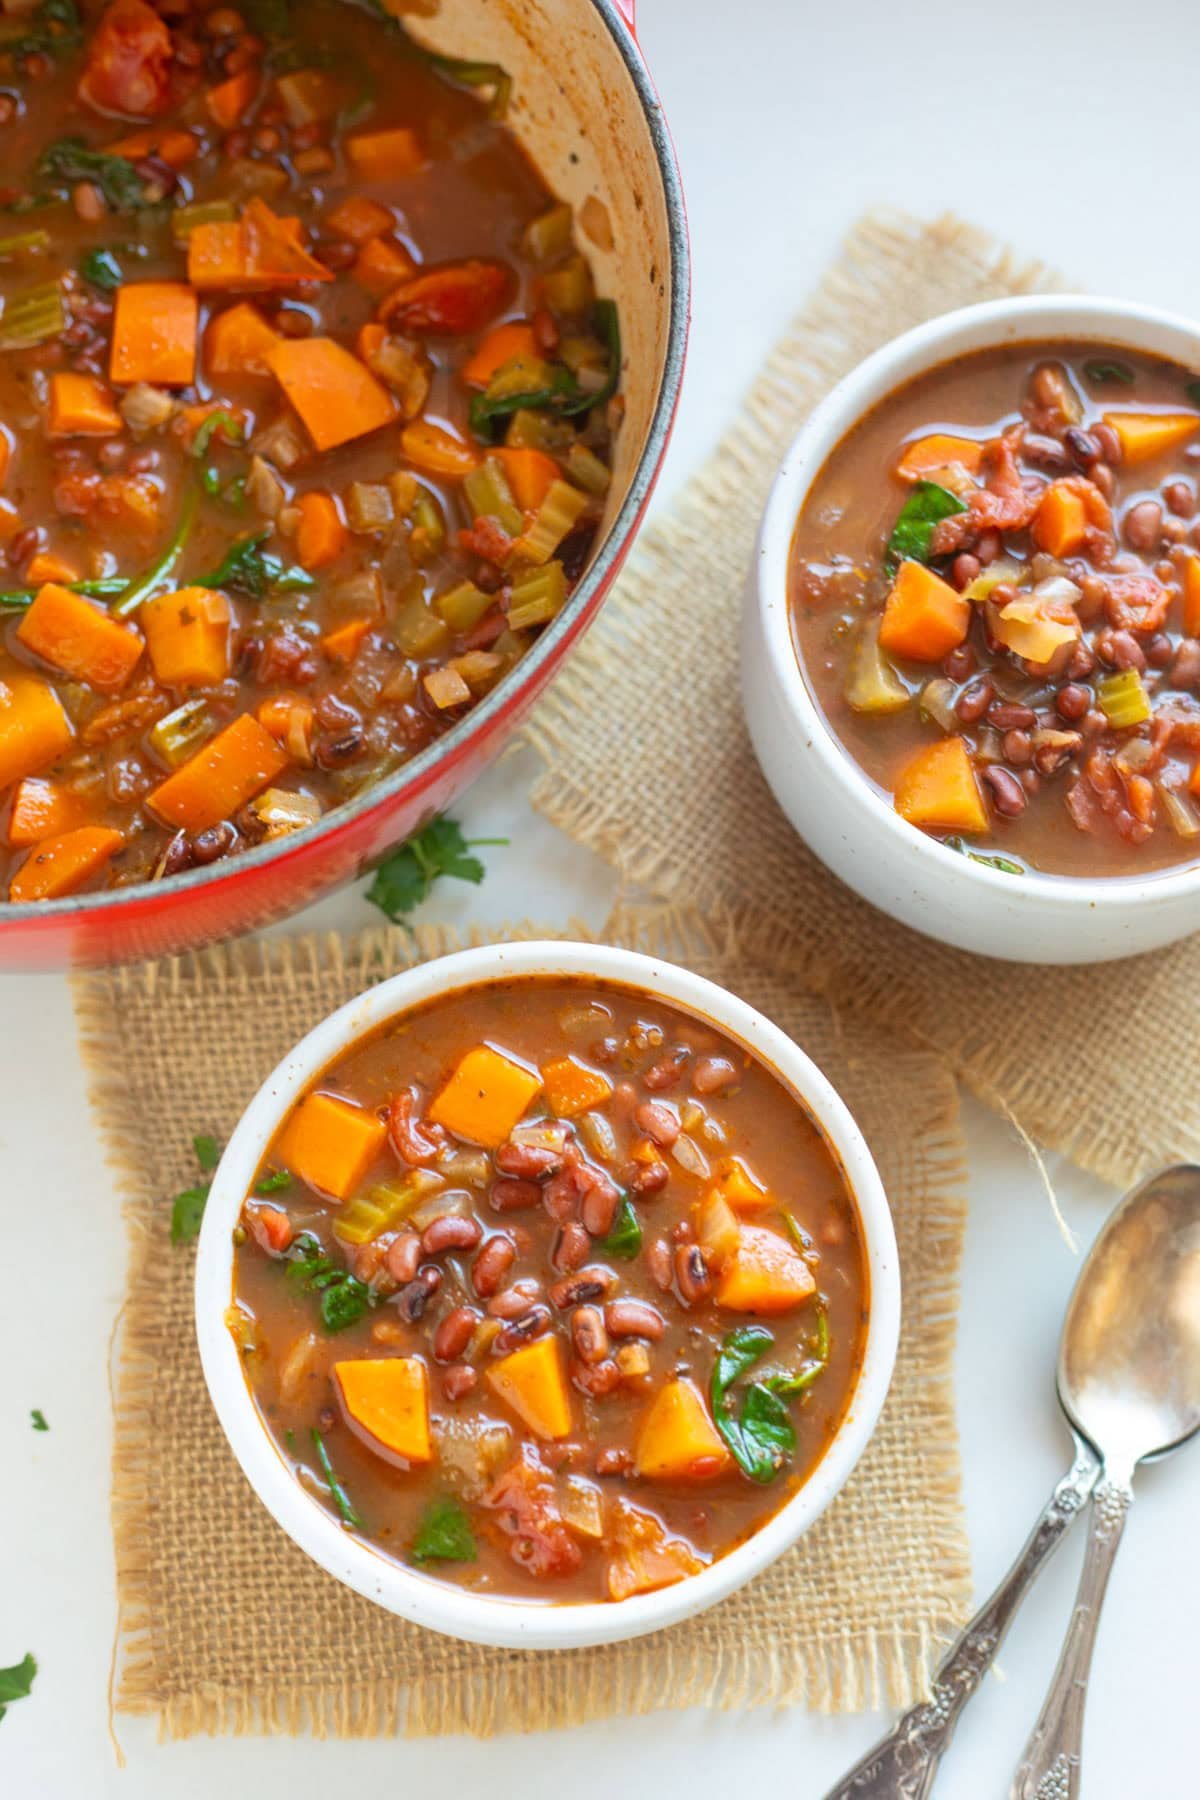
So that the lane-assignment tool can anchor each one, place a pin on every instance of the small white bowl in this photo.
(423, 1598)
(851, 826)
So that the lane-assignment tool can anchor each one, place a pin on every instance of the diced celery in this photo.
(568, 290)
(428, 533)
(872, 685)
(488, 495)
(1122, 699)
(549, 235)
(532, 429)
(383, 1206)
(587, 471)
(180, 734)
(558, 514)
(283, 812)
(185, 219)
(24, 241)
(463, 606)
(537, 596)
(418, 629)
(33, 317)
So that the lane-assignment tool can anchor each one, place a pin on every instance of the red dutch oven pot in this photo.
(586, 109)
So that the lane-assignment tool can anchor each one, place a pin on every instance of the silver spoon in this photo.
(1128, 1374)
(1141, 1287)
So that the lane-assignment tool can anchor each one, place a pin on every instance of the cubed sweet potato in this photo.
(485, 1097)
(925, 618)
(79, 637)
(385, 1402)
(42, 809)
(230, 769)
(155, 324)
(335, 394)
(187, 635)
(532, 1380)
(331, 1143)
(238, 342)
(34, 728)
(764, 1275)
(1147, 435)
(938, 790)
(572, 1086)
(81, 406)
(677, 1440)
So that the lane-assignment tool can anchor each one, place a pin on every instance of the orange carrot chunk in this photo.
(61, 865)
(34, 728)
(79, 637)
(229, 102)
(42, 809)
(433, 450)
(381, 265)
(937, 789)
(500, 345)
(924, 617)
(154, 334)
(938, 451)
(337, 397)
(81, 406)
(238, 342)
(230, 769)
(187, 635)
(320, 536)
(1060, 523)
(530, 474)
(385, 155)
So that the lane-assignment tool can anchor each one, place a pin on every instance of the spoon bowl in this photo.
(1129, 1358)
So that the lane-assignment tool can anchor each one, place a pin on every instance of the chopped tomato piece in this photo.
(128, 68)
(450, 300)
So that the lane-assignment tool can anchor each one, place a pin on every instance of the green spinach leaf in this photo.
(1004, 863)
(250, 569)
(344, 1300)
(922, 512)
(70, 160)
(625, 1238)
(102, 269)
(1102, 372)
(761, 1437)
(338, 1494)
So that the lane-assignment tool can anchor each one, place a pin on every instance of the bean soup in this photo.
(551, 1290)
(307, 406)
(995, 593)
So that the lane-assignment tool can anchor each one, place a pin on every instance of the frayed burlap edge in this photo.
(874, 1668)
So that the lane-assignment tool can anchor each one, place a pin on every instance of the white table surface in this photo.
(1071, 134)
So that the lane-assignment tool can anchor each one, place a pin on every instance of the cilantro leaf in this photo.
(187, 1213)
(406, 877)
(444, 1535)
(16, 1683)
(38, 1419)
(912, 534)
(762, 1438)
(344, 1298)
(208, 1152)
(252, 570)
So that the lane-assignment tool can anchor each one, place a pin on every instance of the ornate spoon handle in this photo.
(1050, 1768)
(903, 1764)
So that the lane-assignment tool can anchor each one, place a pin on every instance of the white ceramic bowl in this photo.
(422, 1598)
(853, 828)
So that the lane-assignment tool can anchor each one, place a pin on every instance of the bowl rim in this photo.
(422, 1598)
(1025, 318)
(486, 714)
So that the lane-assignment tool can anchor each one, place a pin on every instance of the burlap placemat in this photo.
(224, 1625)
(648, 763)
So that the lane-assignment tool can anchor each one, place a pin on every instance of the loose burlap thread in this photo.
(225, 1626)
(648, 763)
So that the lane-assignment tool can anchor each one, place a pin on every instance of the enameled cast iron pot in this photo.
(585, 107)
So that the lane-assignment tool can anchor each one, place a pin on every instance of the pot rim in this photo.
(1032, 318)
(423, 1598)
(488, 712)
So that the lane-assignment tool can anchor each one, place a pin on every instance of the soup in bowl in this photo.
(546, 1294)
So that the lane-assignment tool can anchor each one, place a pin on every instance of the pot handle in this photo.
(627, 9)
